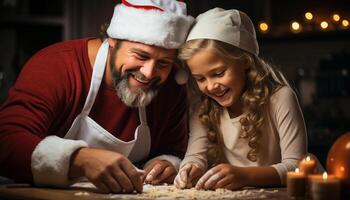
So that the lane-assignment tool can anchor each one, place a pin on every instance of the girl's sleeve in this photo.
(291, 129)
(197, 144)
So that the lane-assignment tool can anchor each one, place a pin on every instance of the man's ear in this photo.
(112, 42)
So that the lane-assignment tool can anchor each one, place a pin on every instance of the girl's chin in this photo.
(226, 105)
(224, 102)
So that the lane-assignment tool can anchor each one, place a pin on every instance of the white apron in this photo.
(85, 128)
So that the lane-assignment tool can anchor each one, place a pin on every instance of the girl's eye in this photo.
(220, 73)
(199, 79)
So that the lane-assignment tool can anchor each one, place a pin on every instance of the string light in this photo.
(345, 23)
(263, 27)
(309, 16)
(313, 22)
(336, 17)
(324, 25)
(295, 27)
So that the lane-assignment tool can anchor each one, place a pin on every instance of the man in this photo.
(93, 109)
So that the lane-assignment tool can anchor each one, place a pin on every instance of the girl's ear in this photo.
(112, 42)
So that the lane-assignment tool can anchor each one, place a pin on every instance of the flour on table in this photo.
(166, 192)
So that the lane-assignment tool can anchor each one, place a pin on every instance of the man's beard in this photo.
(137, 98)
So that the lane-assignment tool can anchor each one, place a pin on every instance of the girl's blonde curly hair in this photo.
(262, 80)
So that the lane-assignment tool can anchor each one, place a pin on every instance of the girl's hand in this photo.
(223, 176)
(158, 172)
(188, 175)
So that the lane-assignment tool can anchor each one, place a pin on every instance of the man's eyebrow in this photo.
(144, 53)
(138, 51)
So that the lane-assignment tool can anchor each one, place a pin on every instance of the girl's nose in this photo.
(212, 85)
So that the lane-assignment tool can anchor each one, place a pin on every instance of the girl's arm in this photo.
(290, 125)
(232, 177)
(195, 162)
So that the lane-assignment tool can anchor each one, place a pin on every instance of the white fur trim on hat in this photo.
(51, 160)
(153, 27)
(230, 26)
(173, 6)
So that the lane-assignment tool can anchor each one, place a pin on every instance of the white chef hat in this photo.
(230, 26)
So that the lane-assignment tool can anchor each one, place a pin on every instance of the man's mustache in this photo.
(154, 82)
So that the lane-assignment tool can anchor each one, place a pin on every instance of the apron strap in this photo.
(97, 76)
(142, 115)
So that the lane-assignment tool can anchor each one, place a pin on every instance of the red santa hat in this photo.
(161, 23)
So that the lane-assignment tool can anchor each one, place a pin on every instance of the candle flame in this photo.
(297, 170)
(342, 168)
(308, 158)
(324, 176)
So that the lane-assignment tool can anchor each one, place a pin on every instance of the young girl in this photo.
(247, 127)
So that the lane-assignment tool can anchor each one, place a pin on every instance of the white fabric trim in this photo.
(175, 161)
(51, 160)
(168, 6)
(152, 27)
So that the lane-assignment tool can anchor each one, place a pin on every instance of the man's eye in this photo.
(142, 57)
(163, 64)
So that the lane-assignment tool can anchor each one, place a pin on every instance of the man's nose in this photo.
(148, 69)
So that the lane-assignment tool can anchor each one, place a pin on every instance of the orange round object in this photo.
(338, 161)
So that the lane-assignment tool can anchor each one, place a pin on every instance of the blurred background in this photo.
(308, 40)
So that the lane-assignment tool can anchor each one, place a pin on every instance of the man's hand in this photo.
(160, 171)
(188, 176)
(223, 176)
(107, 170)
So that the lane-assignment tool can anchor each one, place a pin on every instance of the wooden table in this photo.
(18, 191)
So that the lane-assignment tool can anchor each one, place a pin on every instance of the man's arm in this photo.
(33, 108)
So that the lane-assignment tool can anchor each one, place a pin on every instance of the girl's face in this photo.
(224, 82)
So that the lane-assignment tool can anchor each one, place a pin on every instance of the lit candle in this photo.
(324, 187)
(307, 165)
(296, 182)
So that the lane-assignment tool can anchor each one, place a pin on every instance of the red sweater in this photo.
(50, 92)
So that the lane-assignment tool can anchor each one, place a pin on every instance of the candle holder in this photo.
(324, 187)
(296, 184)
(308, 165)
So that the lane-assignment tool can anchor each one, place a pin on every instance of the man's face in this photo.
(138, 71)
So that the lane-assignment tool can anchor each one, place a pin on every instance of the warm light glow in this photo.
(342, 169)
(336, 17)
(345, 23)
(295, 27)
(324, 25)
(309, 16)
(347, 146)
(324, 176)
(308, 158)
(264, 27)
(297, 170)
